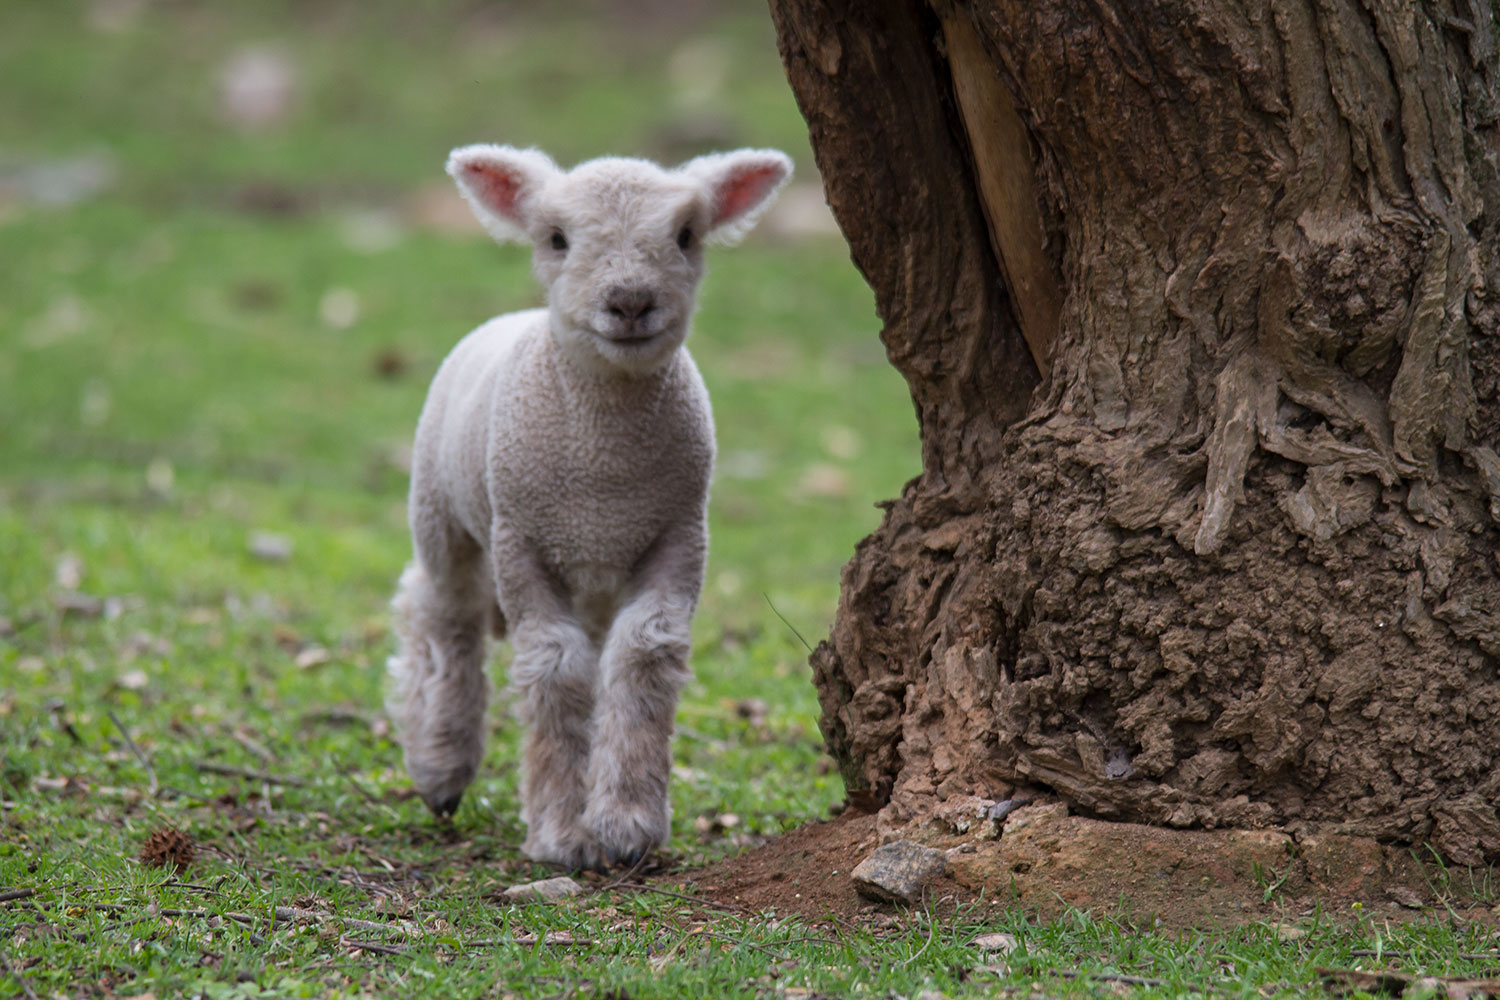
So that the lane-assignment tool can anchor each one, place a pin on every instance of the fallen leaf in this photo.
(438, 207)
(68, 573)
(801, 213)
(841, 442)
(390, 363)
(312, 656)
(79, 605)
(160, 476)
(339, 308)
(258, 87)
(270, 547)
(752, 710)
(824, 481)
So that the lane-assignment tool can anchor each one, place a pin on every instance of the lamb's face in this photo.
(618, 242)
(619, 245)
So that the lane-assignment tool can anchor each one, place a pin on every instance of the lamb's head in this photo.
(617, 242)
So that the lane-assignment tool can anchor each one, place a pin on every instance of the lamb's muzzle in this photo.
(559, 495)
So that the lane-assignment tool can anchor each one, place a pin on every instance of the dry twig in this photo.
(231, 771)
(14, 974)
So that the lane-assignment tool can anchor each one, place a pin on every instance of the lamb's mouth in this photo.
(631, 337)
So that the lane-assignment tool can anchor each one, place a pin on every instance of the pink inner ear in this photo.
(497, 187)
(744, 191)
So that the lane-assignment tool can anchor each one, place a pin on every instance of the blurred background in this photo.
(229, 264)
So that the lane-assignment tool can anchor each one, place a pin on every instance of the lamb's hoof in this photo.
(626, 833)
(445, 807)
(570, 850)
(629, 858)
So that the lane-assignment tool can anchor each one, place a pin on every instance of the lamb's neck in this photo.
(595, 388)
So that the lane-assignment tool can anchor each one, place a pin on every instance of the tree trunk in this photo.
(1199, 304)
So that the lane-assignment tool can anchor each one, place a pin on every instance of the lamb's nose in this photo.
(630, 304)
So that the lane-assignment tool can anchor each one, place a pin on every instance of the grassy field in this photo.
(215, 336)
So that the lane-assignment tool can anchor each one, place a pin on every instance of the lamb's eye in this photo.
(559, 241)
(685, 238)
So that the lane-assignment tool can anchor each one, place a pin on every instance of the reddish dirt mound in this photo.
(805, 872)
(1045, 860)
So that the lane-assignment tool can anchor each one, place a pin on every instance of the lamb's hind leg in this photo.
(439, 689)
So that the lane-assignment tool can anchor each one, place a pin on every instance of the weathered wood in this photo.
(1233, 560)
(1007, 183)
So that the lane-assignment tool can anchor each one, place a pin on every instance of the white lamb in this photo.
(559, 494)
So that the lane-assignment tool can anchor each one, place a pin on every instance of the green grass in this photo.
(170, 387)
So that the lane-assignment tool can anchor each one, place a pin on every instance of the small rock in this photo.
(271, 548)
(1005, 807)
(1038, 812)
(998, 941)
(548, 890)
(897, 872)
(1404, 896)
(968, 814)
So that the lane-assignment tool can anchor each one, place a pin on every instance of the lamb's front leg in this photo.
(642, 669)
(554, 667)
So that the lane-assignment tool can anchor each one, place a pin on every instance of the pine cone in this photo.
(168, 846)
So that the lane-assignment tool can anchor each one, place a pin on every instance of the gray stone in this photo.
(897, 872)
(548, 890)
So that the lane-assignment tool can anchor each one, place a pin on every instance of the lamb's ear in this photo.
(742, 185)
(499, 183)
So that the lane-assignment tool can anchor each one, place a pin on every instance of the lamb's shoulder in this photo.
(485, 358)
(448, 459)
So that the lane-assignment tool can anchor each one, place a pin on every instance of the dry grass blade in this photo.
(150, 771)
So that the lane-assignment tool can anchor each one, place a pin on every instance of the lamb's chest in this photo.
(598, 495)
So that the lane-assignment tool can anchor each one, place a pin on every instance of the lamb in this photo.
(559, 493)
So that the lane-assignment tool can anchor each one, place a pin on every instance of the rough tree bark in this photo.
(1199, 304)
